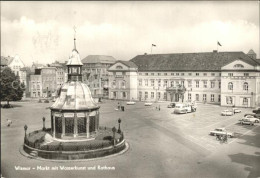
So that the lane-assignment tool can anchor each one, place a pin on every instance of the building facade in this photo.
(36, 85)
(95, 73)
(200, 77)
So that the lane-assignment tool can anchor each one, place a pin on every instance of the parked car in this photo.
(227, 113)
(246, 121)
(236, 110)
(253, 114)
(148, 104)
(183, 108)
(171, 105)
(252, 118)
(130, 103)
(221, 131)
(256, 110)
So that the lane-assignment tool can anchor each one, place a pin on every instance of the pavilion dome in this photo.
(74, 96)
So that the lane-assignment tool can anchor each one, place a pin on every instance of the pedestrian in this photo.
(159, 108)
(118, 106)
(9, 122)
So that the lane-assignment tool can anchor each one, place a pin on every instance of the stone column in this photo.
(53, 124)
(63, 125)
(75, 125)
(87, 124)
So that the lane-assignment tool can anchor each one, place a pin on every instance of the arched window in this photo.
(238, 66)
(119, 67)
(245, 86)
(230, 86)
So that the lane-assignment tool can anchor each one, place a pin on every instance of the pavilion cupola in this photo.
(74, 65)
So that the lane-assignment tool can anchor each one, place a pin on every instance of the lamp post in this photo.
(114, 130)
(25, 129)
(43, 121)
(119, 130)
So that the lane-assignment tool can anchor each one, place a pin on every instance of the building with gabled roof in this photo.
(225, 78)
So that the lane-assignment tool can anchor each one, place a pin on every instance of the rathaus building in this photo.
(224, 78)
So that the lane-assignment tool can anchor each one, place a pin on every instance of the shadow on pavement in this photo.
(251, 161)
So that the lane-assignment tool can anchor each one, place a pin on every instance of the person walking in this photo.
(9, 122)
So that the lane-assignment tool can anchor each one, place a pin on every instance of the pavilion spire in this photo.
(75, 38)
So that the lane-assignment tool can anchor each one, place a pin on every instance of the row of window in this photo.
(231, 85)
(166, 83)
(230, 101)
(181, 74)
(231, 74)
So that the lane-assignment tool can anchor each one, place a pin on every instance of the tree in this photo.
(10, 87)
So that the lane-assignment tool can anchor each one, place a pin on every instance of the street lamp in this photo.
(114, 130)
(119, 130)
(43, 121)
(25, 129)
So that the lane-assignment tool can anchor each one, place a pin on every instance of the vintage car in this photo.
(246, 121)
(148, 104)
(221, 131)
(256, 110)
(183, 108)
(226, 113)
(130, 103)
(252, 118)
(236, 110)
(171, 105)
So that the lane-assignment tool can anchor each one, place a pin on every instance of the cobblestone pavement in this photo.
(162, 144)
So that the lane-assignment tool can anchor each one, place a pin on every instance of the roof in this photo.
(74, 96)
(99, 59)
(129, 64)
(74, 58)
(6, 60)
(210, 61)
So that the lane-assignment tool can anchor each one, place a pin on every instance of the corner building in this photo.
(223, 78)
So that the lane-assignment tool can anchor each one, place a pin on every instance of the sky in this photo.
(43, 32)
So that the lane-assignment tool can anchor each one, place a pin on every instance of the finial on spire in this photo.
(75, 38)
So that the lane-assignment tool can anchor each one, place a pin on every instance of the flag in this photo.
(153, 45)
(219, 44)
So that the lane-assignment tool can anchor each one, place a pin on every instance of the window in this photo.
(246, 74)
(204, 97)
(189, 84)
(159, 95)
(229, 100)
(230, 74)
(146, 73)
(123, 84)
(172, 73)
(245, 101)
(146, 94)
(177, 74)
(212, 84)
(205, 74)
(219, 98)
(172, 83)
(219, 84)
(152, 95)
(146, 82)
(164, 95)
(152, 73)
(197, 84)
(165, 73)
(230, 86)
(165, 83)
(140, 82)
(159, 73)
(159, 83)
(205, 84)
(212, 98)
(119, 67)
(238, 66)
(152, 83)
(197, 74)
(212, 74)
(189, 97)
(182, 74)
(245, 86)
(197, 97)
(190, 74)
(124, 94)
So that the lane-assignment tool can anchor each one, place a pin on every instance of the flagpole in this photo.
(152, 49)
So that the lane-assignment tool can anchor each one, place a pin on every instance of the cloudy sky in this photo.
(43, 31)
